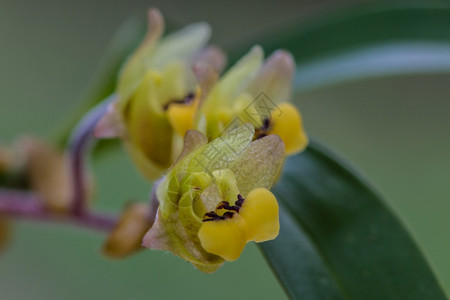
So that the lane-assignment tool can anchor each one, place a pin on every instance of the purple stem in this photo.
(79, 144)
(26, 205)
(154, 202)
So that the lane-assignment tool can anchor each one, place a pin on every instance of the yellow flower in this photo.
(157, 82)
(216, 197)
(257, 92)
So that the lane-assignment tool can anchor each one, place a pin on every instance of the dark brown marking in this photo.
(228, 214)
(213, 216)
(239, 201)
(232, 209)
(263, 130)
(186, 100)
(226, 205)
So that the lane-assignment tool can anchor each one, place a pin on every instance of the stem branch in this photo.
(79, 144)
(26, 205)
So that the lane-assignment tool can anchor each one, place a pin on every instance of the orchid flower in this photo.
(156, 76)
(216, 197)
(257, 92)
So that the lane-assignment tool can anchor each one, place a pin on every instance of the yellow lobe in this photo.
(181, 116)
(257, 220)
(225, 238)
(289, 126)
(260, 211)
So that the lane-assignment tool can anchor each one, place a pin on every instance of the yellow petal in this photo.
(149, 132)
(181, 116)
(134, 69)
(289, 126)
(212, 56)
(182, 44)
(259, 164)
(236, 79)
(173, 82)
(225, 238)
(192, 141)
(207, 77)
(218, 106)
(226, 182)
(275, 77)
(260, 211)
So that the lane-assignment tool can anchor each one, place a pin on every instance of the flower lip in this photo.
(254, 219)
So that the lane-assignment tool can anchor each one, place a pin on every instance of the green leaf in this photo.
(382, 39)
(338, 240)
(378, 61)
(359, 27)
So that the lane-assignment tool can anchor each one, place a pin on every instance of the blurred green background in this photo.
(395, 129)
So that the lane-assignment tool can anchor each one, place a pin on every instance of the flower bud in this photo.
(6, 160)
(126, 238)
(4, 233)
(48, 173)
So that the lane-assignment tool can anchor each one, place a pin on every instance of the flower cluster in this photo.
(219, 141)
